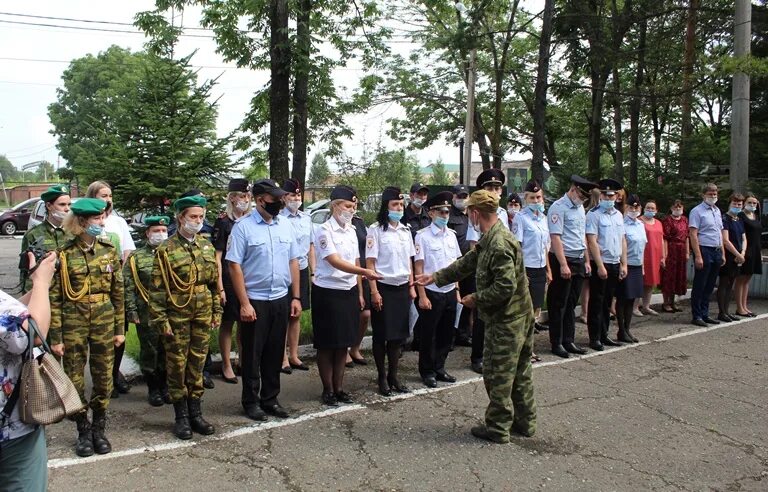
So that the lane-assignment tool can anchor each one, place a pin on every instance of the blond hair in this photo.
(95, 187)
(74, 224)
(230, 209)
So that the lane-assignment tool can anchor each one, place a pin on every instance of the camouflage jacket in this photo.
(137, 275)
(502, 286)
(179, 262)
(88, 289)
(42, 236)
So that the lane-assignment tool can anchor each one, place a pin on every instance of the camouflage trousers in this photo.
(507, 374)
(186, 349)
(87, 340)
(151, 352)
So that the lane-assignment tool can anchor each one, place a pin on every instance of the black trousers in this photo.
(436, 332)
(562, 297)
(601, 294)
(261, 355)
(466, 287)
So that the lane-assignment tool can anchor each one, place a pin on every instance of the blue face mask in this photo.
(94, 230)
(441, 222)
(735, 210)
(536, 207)
(649, 214)
(607, 204)
(395, 216)
(750, 208)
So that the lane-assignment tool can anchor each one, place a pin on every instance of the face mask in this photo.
(192, 227)
(607, 204)
(735, 210)
(58, 215)
(536, 207)
(272, 208)
(711, 200)
(578, 201)
(460, 203)
(677, 213)
(633, 215)
(94, 230)
(293, 205)
(395, 216)
(649, 214)
(345, 217)
(750, 208)
(473, 225)
(156, 238)
(441, 222)
(418, 202)
(241, 206)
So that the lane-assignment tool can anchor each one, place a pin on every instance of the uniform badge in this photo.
(369, 242)
(323, 242)
(554, 218)
(418, 248)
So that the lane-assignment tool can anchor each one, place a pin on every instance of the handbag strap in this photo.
(34, 332)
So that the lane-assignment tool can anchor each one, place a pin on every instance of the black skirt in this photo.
(367, 295)
(335, 317)
(232, 306)
(730, 268)
(537, 285)
(304, 288)
(391, 323)
(632, 285)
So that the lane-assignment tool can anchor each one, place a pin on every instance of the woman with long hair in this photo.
(735, 245)
(753, 262)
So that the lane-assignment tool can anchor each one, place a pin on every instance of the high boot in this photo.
(100, 443)
(181, 429)
(196, 420)
(154, 397)
(84, 447)
(162, 385)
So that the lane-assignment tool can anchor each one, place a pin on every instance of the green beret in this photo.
(484, 201)
(54, 192)
(156, 220)
(86, 207)
(189, 201)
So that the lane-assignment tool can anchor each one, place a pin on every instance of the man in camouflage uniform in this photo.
(137, 273)
(504, 303)
(48, 235)
(88, 316)
(184, 305)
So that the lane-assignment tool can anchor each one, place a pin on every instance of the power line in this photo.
(101, 29)
(89, 21)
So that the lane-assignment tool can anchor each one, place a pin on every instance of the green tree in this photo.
(7, 169)
(140, 122)
(45, 172)
(319, 172)
(440, 176)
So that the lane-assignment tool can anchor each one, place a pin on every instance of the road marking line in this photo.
(276, 424)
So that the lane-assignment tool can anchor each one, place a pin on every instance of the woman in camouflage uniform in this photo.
(184, 305)
(87, 316)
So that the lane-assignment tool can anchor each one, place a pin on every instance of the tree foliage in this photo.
(319, 172)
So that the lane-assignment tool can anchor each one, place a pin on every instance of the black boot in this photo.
(162, 384)
(154, 397)
(196, 420)
(84, 447)
(181, 429)
(100, 443)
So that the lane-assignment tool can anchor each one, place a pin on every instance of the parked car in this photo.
(39, 213)
(317, 205)
(17, 218)
(319, 216)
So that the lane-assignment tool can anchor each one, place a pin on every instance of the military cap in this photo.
(440, 201)
(239, 185)
(491, 176)
(292, 185)
(532, 186)
(342, 192)
(391, 193)
(633, 200)
(582, 184)
(609, 186)
(514, 198)
(189, 201)
(484, 201)
(54, 192)
(418, 187)
(460, 189)
(85, 207)
(192, 192)
(264, 186)
(156, 220)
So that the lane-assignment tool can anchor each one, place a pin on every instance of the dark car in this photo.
(17, 218)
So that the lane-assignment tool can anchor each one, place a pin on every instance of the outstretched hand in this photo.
(423, 279)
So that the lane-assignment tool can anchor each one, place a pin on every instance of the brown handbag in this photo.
(46, 395)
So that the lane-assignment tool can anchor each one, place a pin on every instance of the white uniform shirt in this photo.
(392, 249)
(533, 233)
(330, 238)
(116, 224)
(473, 235)
(437, 248)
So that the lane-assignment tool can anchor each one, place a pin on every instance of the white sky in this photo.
(28, 87)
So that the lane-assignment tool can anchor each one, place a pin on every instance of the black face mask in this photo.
(272, 208)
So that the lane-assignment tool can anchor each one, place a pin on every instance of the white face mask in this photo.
(192, 227)
(242, 206)
(418, 202)
(293, 205)
(460, 203)
(677, 212)
(632, 214)
(711, 200)
(473, 225)
(345, 217)
(58, 215)
(156, 238)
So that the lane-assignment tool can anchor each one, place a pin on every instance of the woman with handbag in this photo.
(88, 316)
(23, 453)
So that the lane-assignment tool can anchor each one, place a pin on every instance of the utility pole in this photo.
(742, 38)
(468, 130)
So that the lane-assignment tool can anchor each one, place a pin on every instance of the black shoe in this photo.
(350, 364)
(256, 413)
(560, 351)
(276, 410)
(122, 385)
(699, 322)
(520, 431)
(232, 380)
(154, 397)
(384, 387)
(430, 382)
(359, 362)
(463, 342)
(84, 445)
(395, 385)
(196, 420)
(540, 327)
(445, 377)
(207, 381)
(329, 399)
(477, 366)
(288, 370)
(724, 318)
(622, 336)
(733, 318)
(572, 348)
(302, 367)
(610, 343)
(481, 432)
(181, 428)
(710, 321)
(343, 397)
(596, 346)
(100, 442)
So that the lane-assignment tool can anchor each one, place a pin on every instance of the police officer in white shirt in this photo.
(436, 248)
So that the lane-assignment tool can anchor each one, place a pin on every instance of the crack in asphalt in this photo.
(349, 429)
(631, 466)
